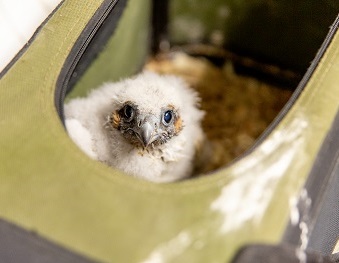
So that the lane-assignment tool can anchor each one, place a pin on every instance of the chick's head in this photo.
(150, 109)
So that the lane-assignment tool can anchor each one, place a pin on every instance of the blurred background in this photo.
(19, 19)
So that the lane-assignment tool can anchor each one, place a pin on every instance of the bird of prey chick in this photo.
(149, 126)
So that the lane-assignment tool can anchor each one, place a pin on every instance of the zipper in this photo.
(91, 29)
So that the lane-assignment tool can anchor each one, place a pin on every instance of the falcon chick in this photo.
(149, 126)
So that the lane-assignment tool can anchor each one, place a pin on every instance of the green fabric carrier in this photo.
(50, 187)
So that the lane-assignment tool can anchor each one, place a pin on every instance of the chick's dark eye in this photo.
(128, 112)
(168, 115)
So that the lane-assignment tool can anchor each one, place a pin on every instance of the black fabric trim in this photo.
(322, 186)
(18, 245)
(277, 254)
(27, 45)
(325, 223)
(91, 41)
(100, 38)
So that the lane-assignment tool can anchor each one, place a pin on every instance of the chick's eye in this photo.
(128, 112)
(168, 115)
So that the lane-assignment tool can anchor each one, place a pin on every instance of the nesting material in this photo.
(238, 108)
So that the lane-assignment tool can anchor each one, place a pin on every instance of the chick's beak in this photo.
(147, 132)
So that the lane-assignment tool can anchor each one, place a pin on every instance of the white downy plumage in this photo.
(89, 125)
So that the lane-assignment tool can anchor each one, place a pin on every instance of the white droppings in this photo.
(167, 251)
(247, 196)
(301, 251)
(294, 211)
(303, 205)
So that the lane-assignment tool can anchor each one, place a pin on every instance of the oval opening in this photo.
(242, 90)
